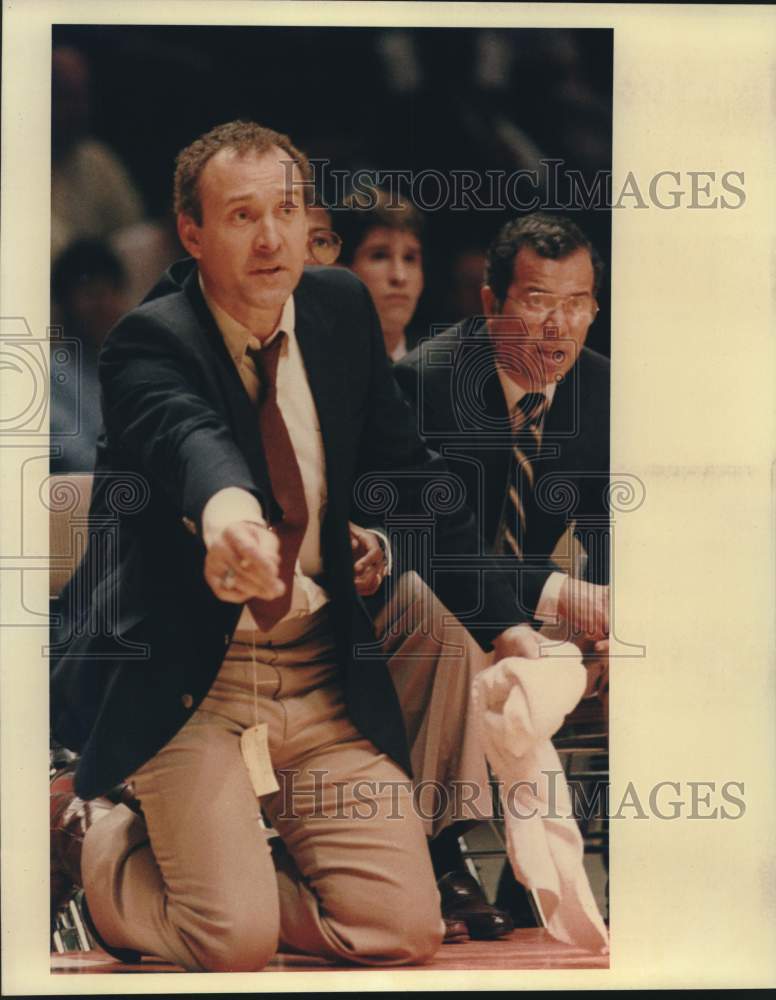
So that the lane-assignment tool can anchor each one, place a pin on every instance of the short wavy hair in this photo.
(551, 236)
(370, 209)
(241, 136)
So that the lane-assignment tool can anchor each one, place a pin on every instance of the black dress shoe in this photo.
(456, 932)
(463, 899)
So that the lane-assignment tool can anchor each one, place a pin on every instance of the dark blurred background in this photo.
(363, 98)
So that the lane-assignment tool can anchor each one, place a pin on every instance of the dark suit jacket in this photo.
(140, 635)
(462, 413)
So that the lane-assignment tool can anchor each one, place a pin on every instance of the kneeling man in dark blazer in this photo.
(211, 659)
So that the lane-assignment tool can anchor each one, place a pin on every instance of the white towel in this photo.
(519, 704)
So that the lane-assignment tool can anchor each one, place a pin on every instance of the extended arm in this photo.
(158, 414)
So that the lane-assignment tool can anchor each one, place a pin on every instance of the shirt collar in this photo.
(400, 351)
(238, 338)
(513, 392)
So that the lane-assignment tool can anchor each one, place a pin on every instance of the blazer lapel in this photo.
(560, 425)
(489, 422)
(478, 399)
(325, 371)
(241, 410)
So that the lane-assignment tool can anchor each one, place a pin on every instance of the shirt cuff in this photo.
(229, 505)
(386, 547)
(547, 607)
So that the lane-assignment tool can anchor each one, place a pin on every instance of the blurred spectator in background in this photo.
(466, 276)
(91, 192)
(381, 243)
(318, 217)
(571, 119)
(88, 289)
(323, 244)
(436, 99)
(146, 250)
(514, 97)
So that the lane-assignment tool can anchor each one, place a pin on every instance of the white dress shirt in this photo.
(297, 407)
(399, 351)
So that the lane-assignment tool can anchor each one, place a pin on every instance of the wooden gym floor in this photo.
(522, 949)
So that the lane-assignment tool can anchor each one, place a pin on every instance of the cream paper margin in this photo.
(693, 359)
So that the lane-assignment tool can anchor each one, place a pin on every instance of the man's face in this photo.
(251, 244)
(390, 263)
(540, 329)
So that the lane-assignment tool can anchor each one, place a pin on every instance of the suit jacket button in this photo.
(187, 700)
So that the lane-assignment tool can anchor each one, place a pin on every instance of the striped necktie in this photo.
(527, 419)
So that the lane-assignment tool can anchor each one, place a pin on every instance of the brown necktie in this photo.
(286, 480)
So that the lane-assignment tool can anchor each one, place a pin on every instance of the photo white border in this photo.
(692, 901)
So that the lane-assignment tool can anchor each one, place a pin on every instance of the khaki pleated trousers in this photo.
(433, 660)
(193, 880)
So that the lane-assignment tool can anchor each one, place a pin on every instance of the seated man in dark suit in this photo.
(211, 655)
(519, 407)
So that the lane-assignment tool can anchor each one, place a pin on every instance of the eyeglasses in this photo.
(541, 304)
(323, 246)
